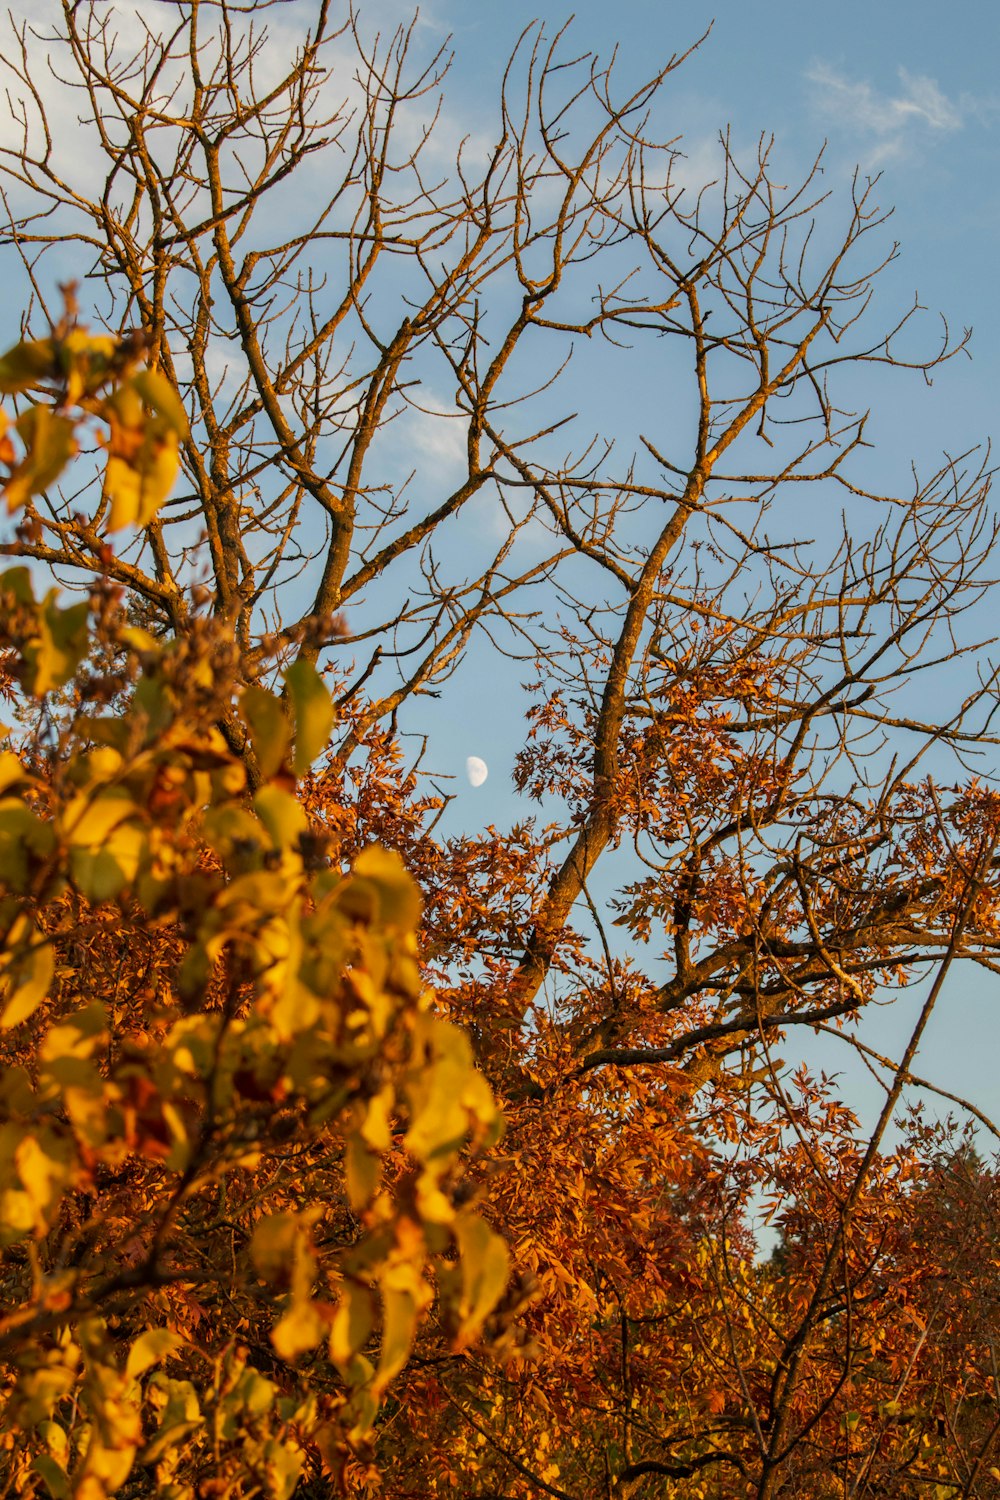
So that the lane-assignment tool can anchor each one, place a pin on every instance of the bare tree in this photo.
(299, 349)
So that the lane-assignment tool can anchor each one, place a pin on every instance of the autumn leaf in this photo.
(313, 713)
(27, 970)
(270, 730)
(49, 444)
(485, 1269)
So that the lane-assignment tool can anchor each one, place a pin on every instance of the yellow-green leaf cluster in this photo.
(253, 1124)
(73, 379)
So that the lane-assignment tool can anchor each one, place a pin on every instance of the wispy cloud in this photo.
(917, 110)
(436, 431)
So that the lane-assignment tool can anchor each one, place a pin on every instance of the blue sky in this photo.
(905, 90)
(897, 89)
(910, 90)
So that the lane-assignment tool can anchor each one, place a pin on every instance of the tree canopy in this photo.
(340, 1152)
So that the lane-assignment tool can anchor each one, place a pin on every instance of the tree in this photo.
(728, 737)
(226, 1097)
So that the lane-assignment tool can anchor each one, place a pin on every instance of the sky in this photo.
(900, 89)
(908, 89)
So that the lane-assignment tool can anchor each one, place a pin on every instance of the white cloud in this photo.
(918, 109)
(438, 432)
(77, 154)
(699, 160)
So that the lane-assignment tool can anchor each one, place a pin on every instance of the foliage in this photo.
(233, 1122)
(87, 376)
(533, 398)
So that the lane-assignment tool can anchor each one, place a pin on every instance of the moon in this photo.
(477, 770)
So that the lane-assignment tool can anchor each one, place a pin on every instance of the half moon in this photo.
(476, 770)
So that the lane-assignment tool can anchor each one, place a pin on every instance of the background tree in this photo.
(742, 647)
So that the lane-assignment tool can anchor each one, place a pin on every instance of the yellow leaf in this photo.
(79, 1036)
(376, 1126)
(399, 1324)
(140, 640)
(485, 1268)
(398, 892)
(85, 360)
(283, 1465)
(54, 1475)
(39, 1391)
(362, 1171)
(143, 463)
(272, 1245)
(25, 365)
(24, 838)
(352, 1323)
(282, 815)
(177, 1398)
(255, 1393)
(314, 715)
(235, 835)
(61, 643)
(44, 1172)
(149, 1348)
(106, 1468)
(301, 1328)
(435, 1207)
(101, 873)
(270, 730)
(56, 1440)
(442, 1086)
(17, 1215)
(49, 444)
(11, 770)
(159, 395)
(180, 1415)
(89, 820)
(27, 974)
